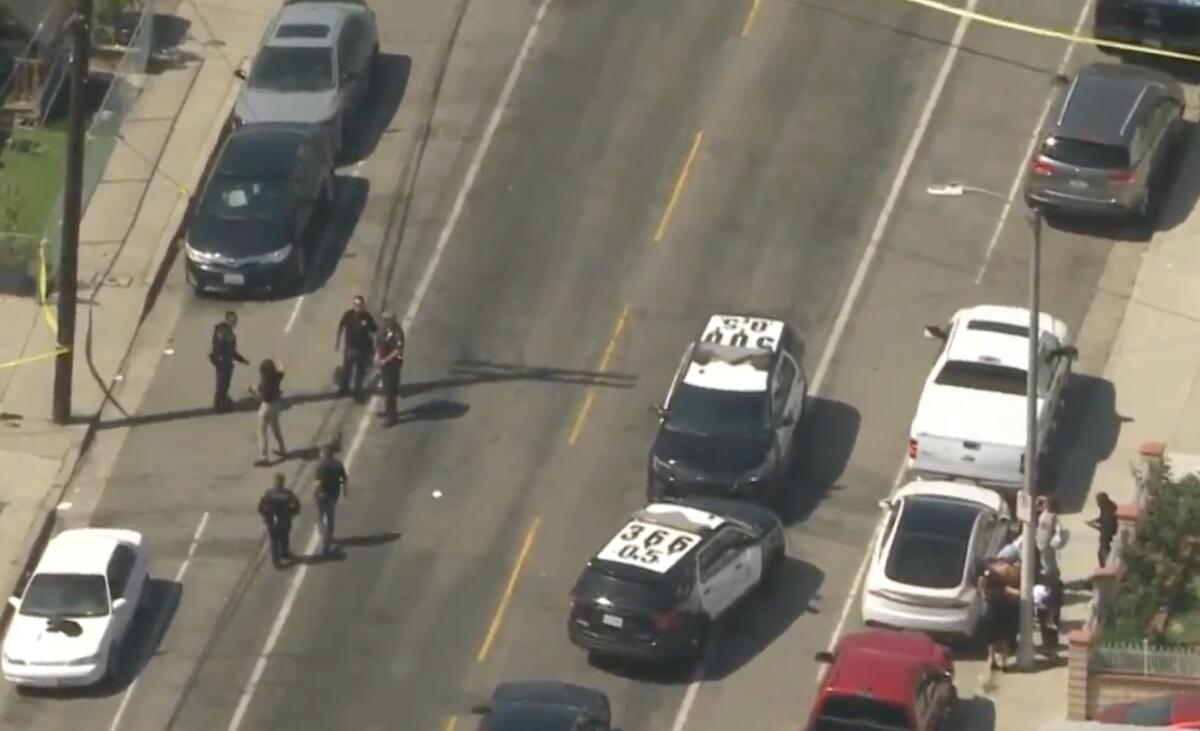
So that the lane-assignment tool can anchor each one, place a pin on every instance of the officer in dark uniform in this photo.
(389, 355)
(356, 337)
(277, 507)
(331, 485)
(223, 355)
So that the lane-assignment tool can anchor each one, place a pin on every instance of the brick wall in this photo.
(1089, 690)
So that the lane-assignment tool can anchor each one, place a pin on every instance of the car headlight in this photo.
(277, 256)
(89, 660)
(197, 256)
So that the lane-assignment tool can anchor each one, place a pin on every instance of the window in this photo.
(709, 411)
(293, 69)
(838, 710)
(120, 568)
(245, 199)
(980, 376)
(65, 595)
(1085, 154)
(717, 553)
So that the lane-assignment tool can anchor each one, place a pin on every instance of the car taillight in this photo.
(664, 621)
(912, 448)
(1040, 167)
(1121, 177)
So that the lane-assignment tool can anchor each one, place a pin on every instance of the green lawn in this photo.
(32, 168)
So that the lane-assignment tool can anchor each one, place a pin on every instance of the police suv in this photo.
(728, 424)
(656, 587)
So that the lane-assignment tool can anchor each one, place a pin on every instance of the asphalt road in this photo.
(599, 234)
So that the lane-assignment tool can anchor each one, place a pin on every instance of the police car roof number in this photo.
(738, 331)
(649, 546)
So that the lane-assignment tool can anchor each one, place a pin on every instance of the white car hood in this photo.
(971, 415)
(30, 639)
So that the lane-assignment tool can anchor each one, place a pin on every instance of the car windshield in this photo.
(1085, 154)
(982, 377)
(287, 68)
(66, 595)
(1156, 712)
(930, 545)
(850, 713)
(243, 199)
(709, 411)
(530, 717)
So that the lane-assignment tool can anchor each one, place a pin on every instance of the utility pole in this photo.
(1025, 655)
(64, 364)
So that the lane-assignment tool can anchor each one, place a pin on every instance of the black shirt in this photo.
(279, 503)
(358, 328)
(331, 479)
(1107, 524)
(270, 386)
(224, 344)
(391, 340)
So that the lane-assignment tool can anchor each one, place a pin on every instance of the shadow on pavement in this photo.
(435, 410)
(168, 33)
(828, 438)
(334, 230)
(1086, 437)
(246, 404)
(147, 630)
(472, 372)
(974, 714)
(339, 554)
(373, 120)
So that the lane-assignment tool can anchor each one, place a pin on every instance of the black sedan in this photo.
(543, 705)
(251, 229)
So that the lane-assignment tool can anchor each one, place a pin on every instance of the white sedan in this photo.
(924, 567)
(68, 626)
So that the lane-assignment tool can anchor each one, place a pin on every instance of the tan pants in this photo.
(268, 418)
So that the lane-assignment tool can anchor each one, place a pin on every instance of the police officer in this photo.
(223, 355)
(389, 355)
(277, 507)
(331, 485)
(358, 328)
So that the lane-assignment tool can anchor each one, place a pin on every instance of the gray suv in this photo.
(315, 65)
(1115, 134)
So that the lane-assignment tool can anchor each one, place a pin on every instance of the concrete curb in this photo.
(168, 245)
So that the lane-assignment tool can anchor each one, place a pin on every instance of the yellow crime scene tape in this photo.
(47, 314)
(1050, 33)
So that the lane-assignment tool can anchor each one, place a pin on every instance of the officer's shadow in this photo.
(350, 542)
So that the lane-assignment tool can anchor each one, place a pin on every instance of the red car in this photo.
(880, 680)
(1181, 710)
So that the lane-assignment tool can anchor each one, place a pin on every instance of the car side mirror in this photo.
(885, 504)
(240, 73)
(14, 602)
(824, 656)
(482, 709)
(659, 410)
(936, 332)
(119, 602)
(1067, 351)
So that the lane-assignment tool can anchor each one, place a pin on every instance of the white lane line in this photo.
(300, 300)
(1033, 140)
(162, 617)
(860, 275)
(414, 308)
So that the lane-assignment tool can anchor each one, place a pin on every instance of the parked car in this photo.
(1171, 24)
(252, 228)
(1180, 710)
(316, 64)
(970, 420)
(882, 679)
(1110, 144)
(546, 706)
(729, 423)
(924, 568)
(70, 622)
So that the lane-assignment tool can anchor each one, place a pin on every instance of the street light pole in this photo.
(64, 364)
(1025, 654)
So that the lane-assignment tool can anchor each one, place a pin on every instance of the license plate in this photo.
(235, 279)
(612, 621)
(1078, 184)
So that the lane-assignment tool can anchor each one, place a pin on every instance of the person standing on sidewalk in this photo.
(356, 337)
(270, 394)
(1047, 604)
(331, 485)
(223, 355)
(1047, 534)
(389, 354)
(278, 506)
(1001, 616)
(1106, 525)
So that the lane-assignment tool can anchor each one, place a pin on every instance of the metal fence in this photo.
(104, 133)
(1145, 659)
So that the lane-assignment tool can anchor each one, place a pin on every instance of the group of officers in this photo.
(362, 342)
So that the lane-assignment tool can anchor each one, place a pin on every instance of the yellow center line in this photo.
(506, 597)
(679, 183)
(750, 17)
(591, 392)
(450, 723)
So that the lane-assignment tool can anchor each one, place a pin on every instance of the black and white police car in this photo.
(654, 590)
(728, 425)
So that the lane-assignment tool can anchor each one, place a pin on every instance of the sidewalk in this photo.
(127, 244)
(1158, 337)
